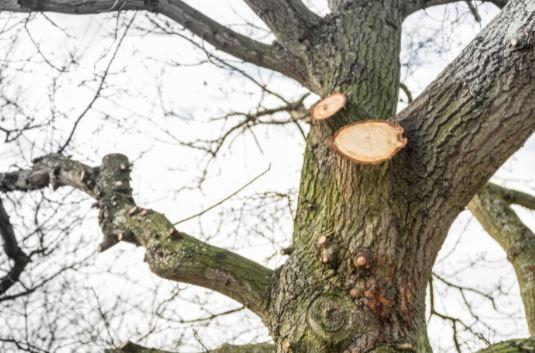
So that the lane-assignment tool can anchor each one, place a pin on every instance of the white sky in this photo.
(162, 168)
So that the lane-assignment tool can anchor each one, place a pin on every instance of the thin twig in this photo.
(225, 199)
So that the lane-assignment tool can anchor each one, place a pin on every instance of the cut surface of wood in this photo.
(328, 106)
(369, 141)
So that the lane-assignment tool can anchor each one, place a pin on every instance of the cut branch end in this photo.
(328, 106)
(370, 141)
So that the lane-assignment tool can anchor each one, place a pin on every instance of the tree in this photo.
(365, 236)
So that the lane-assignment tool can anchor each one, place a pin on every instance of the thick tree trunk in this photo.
(324, 301)
(364, 241)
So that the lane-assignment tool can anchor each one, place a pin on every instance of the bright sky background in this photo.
(194, 93)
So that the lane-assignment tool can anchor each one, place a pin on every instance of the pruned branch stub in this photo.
(369, 141)
(328, 106)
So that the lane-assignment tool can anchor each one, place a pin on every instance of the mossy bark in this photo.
(321, 302)
(491, 208)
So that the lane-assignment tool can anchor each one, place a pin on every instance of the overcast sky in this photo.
(195, 94)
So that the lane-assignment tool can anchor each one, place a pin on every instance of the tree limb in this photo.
(411, 6)
(170, 254)
(517, 197)
(12, 250)
(289, 20)
(471, 119)
(491, 208)
(512, 346)
(274, 57)
(129, 347)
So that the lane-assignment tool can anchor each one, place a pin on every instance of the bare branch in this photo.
(289, 20)
(129, 347)
(407, 91)
(99, 89)
(473, 10)
(412, 6)
(273, 57)
(492, 210)
(515, 197)
(12, 250)
(171, 254)
(200, 213)
(511, 346)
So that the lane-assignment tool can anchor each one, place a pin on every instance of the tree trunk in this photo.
(324, 301)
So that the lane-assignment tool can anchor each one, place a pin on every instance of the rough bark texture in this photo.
(468, 122)
(365, 236)
(405, 207)
(322, 303)
(511, 346)
(491, 207)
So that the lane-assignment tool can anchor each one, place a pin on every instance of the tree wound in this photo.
(328, 106)
(369, 141)
(363, 260)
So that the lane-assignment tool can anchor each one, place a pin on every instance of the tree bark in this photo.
(491, 207)
(129, 347)
(511, 346)
(365, 236)
(468, 122)
(412, 6)
(398, 212)
(13, 251)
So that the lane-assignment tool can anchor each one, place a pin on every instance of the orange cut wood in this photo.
(369, 141)
(328, 106)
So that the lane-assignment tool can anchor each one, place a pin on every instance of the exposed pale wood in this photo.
(369, 141)
(328, 106)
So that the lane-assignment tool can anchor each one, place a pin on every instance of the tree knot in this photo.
(332, 317)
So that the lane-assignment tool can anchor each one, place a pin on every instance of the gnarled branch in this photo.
(129, 347)
(170, 254)
(491, 208)
(274, 57)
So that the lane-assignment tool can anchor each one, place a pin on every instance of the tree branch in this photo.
(511, 346)
(129, 347)
(492, 210)
(471, 119)
(516, 197)
(13, 252)
(289, 20)
(170, 254)
(411, 6)
(274, 57)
